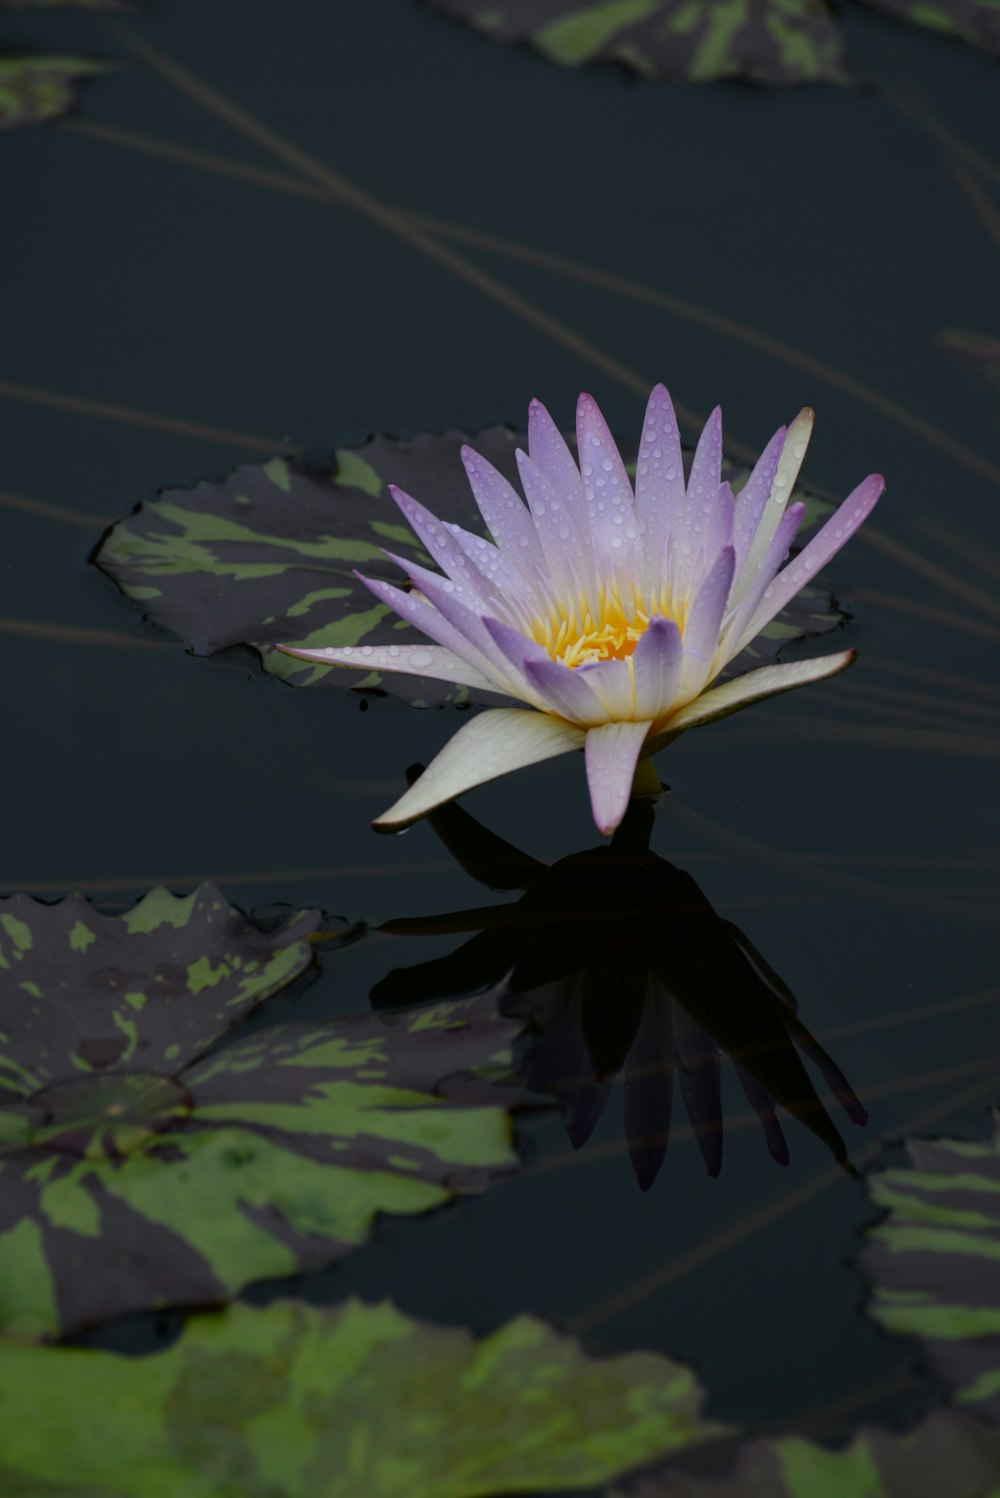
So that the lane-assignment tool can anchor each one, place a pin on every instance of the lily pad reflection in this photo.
(620, 961)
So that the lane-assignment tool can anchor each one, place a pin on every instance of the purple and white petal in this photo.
(704, 619)
(547, 449)
(556, 524)
(656, 668)
(443, 547)
(494, 742)
(755, 685)
(510, 585)
(505, 513)
(465, 613)
(611, 754)
(826, 543)
(429, 621)
(659, 484)
(792, 453)
(432, 661)
(731, 637)
(607, 493)
(614, 687)
(688, 552)
(754, 495)
(558, 688)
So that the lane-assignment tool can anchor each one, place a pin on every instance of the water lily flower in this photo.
(606, 612)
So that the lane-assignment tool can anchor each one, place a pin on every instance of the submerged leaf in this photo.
(945, 1456)
(33, 88)
(291, 1401)
(935, 1260)
(699, 41)
(269, 555)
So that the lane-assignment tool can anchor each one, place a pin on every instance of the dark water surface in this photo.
(849, 830)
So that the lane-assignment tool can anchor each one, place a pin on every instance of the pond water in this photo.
(166, 318)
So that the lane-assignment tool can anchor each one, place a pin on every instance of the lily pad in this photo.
(975, 21)
(296, 1402)
(269, 555)
(945, 1456)
(135, 1170)
(33, 89)
(698, 41)
(935, 1261)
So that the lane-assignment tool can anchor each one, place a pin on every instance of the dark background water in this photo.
(850, 831)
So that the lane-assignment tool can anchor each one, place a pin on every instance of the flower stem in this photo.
(645, 781)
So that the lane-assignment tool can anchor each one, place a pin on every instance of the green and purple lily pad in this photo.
(38, 88)
(947, 1455)
(291, 1401)
(268, 556)
(139, 1167)
(934, 1261)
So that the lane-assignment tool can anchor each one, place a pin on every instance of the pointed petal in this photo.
(706, 465)
(659, 482)
(505, 513)
(614, 688)
(462, 611)
(607, 492)
(429, 621)
(556, 525)
(499, 572)
(838, 529)
(559, 689)
(656, 668)
(736, 631)
(443, 547)
(753, 496)
(704, 622)
(611, 753)
(793, 451)
(432, 661)
(548, 450)
(494, 742)
(755, 685)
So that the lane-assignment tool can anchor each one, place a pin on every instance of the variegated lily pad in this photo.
(772, 42)
(135, 1170)
(945, 1456)
(269, 556)
(296, 1402)
(33, 89)
(698, 41)
(934, 1261)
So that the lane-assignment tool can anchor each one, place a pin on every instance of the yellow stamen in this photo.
(571, 634)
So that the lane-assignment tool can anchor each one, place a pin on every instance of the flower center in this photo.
(574, 636)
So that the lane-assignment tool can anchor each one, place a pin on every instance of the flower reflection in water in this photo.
(623, 966)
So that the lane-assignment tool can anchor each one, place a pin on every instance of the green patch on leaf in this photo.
(934, 1261)
(135, 1173)
(33, 89)
(296, 1402)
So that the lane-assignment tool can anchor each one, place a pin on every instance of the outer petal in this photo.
(501, 573)
(656, 668)
(732, 638)
(767, 681)
(611, 752)
(502, 739)
(432, 661)
(696, 514)
(838, 529)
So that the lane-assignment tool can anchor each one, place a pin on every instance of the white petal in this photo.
(733, 695)
(432, 661)
(792, 453)
(611, 752)
(505, 738)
